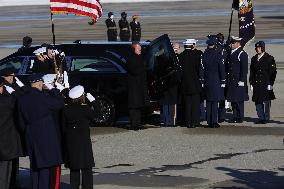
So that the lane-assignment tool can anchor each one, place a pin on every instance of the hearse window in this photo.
(93, 65)
(14, 63)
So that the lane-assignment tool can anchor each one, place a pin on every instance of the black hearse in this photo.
(101, 68)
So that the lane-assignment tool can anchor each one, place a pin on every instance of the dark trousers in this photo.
(87, 178)
(263, 110)
(14, 182)
(202, 110)
(192, 115)
(221, 110)
(135, 117)
(238, 110)
(211, 112)
(40, 178)
(5, 174)
(54, 178)
(169, 114)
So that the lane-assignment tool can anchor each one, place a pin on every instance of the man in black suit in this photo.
(190, 60)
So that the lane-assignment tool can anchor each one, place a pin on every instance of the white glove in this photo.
(19, 83)
(223, 85)
(251, 88)
(65, 78)
(49, 86)
(241, 84)
(9, 89)
(90, 97)
(270, 87)
(59, 86)
(202, 85)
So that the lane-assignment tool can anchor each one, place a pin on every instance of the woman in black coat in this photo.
(78, 152)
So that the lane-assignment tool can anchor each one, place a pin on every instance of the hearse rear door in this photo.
(163, 65)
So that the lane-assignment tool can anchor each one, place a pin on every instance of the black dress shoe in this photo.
(260, 122)
(216, 125)
(234, 120)
(221, 120)
(239, 121)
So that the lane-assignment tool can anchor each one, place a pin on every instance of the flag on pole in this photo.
(91, 8)
(246, 20)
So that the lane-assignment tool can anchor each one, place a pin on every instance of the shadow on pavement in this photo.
(250, 178)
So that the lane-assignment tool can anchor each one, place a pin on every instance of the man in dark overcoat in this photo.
(37, 122)
(214, 76)
(262, 76)
(111, 27)
(10, 142)
(190, 60)
(135, 28)
(124, 33)
(237, 70)
(137, 85)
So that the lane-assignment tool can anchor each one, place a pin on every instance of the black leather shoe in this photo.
(216, 125)
(239, 121)
(260, 122)
(234, 120)
(221, 120)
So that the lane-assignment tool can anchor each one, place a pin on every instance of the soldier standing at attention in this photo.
(262, 76)
(214, 77)
(111, 28)
(135, 28)
(124, 28)
(37, 122)
(237, 70)
(190, 60)
(77, 117)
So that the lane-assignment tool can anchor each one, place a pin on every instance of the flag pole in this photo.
(52, 28)
(231, 21)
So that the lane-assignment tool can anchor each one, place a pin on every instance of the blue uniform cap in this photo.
(35, 78)
(212, 41)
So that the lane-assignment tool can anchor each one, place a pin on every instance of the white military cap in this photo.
(236, 38)
(190, 41)
(40, 51)
(49, 78)
(76, 92)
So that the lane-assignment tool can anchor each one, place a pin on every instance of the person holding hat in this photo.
(111, 27)
(213, 76)
(237, 70)
(10, 142)
(42, 63)
(262, 77)
(124, 28)
(135, 28)
(37, 123)
(190, 60)
(77, 117)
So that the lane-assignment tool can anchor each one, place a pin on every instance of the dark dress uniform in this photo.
(37, 122)
(214, 76)
(135, 31)
(111, 30)
(124, 33)
(10, 141)
(262, 73)
(45, 67)
(137, 88)
(78, 145)
(191, 86)
(237, 70)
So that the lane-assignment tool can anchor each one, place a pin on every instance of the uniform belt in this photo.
(125, 29)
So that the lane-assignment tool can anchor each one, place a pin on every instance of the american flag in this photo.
(246, 20)
(91, 8)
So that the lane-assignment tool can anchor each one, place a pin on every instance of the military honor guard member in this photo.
(111, 27)
(214, 78)
(237, 70)
(190, 60)
(124, 33)
(77, 116)
(27, 43)
(10, 141)
(137, 85)
(37, 122)
(135, 28)
(262, 77)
